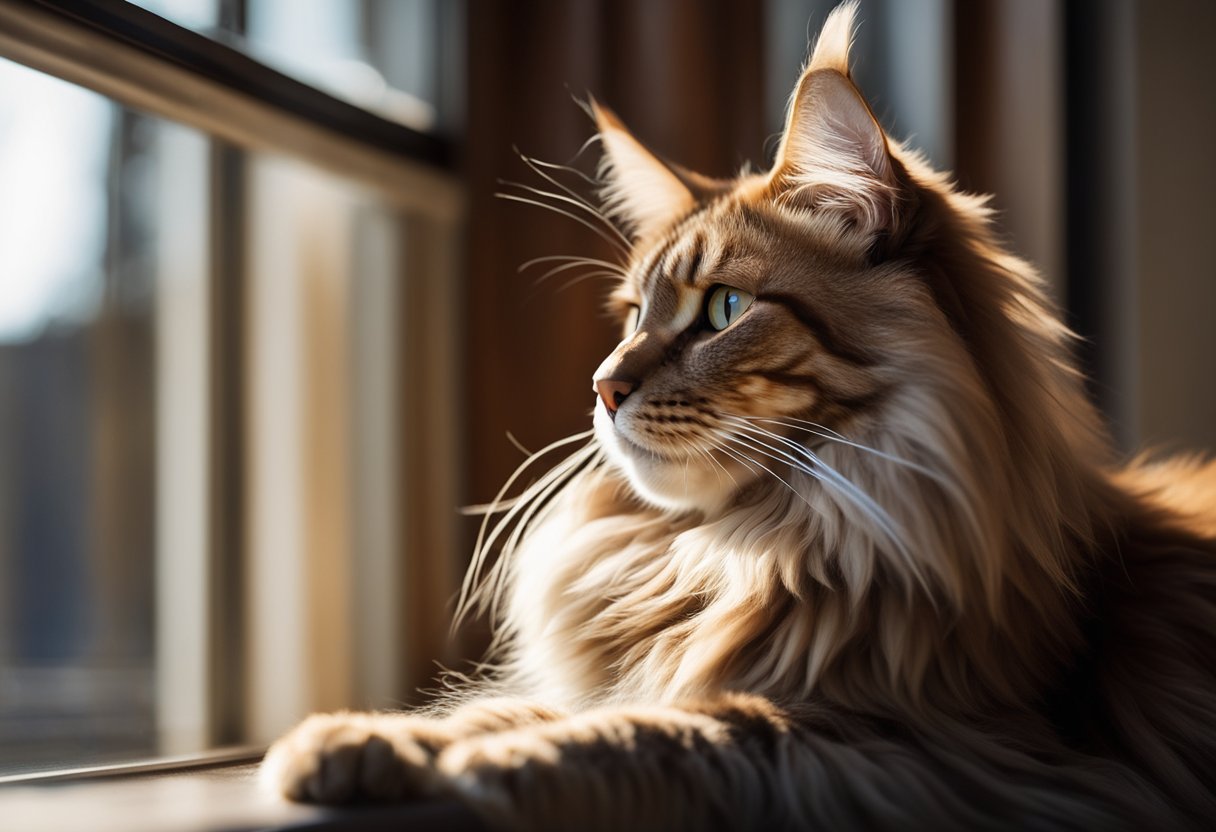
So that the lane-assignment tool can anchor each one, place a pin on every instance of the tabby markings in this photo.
(822, 331)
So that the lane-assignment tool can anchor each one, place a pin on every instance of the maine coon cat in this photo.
(846, 549)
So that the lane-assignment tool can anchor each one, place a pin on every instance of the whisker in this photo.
(580, 220)
(481, 547)
(536, 509)
(539, 503)
(523, 504)
(730, 437)
(536, 165)
(830, 476)
(702, 453)
(590, 261)
(832, 436)
(586, 276)
(546, 487)
(708, 454)
(950, 486)
(590, 180)
(575, 200)
(816, 461)
(591, 140)
(577, 203)
(519, 446)
(687, 459)
(744, 460)
(559, 269)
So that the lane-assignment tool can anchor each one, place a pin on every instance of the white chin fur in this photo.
(691, 484)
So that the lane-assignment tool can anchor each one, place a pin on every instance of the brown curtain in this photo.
(685, 76)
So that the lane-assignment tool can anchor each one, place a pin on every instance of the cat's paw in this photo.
(502, 775)
(335, 758)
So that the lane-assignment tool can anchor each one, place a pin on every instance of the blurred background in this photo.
(264, 328)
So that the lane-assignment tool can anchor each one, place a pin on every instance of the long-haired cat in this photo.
(846, 549)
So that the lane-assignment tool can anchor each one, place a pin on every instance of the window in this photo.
(215, 284)
(392, 57)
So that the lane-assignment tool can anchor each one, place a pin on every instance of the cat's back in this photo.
(1183, 486)
(1143, 687)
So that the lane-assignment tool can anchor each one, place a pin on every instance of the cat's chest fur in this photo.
(609, 606)
(596, 598)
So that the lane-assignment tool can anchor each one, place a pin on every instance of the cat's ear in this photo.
(639, 190)
(833, 154)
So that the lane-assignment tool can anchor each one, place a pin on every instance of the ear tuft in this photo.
(639, 190)
(835, 38)
(834, 154)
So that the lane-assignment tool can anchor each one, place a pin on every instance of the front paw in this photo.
(335, 758)
(510, 779)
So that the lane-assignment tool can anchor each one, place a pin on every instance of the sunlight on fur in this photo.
(847, 549)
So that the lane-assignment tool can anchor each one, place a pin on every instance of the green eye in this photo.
(726, 304)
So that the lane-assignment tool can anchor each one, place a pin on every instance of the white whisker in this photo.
(545, 488)
(574, 281)
(590, 261)
(820, 470)
(950, 486)
(708, 454)
(739, 441)
(580, 220)
(484, 541)
(833, 436)
(577, 203)
(562, 268)
(590, 180)
(535, 165)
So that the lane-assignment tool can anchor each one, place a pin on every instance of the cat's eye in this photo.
(632, 318)
(725, 305)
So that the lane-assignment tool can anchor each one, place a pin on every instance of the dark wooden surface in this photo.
(219, 799)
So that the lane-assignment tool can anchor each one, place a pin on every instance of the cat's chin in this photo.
(687, 483)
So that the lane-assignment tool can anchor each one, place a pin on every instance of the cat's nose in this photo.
(613, 391)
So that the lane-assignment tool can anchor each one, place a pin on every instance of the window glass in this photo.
(148, 604)
(91, 194)
(200, 15)
(386, 56)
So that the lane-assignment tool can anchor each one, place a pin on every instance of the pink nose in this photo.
(613, 391)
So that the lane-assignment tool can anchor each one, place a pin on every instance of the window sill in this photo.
(222, 797)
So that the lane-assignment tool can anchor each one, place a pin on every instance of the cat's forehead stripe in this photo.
(697, 246)
(695, 259)
(651, 273)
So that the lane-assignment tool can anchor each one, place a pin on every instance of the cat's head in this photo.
(774, 306)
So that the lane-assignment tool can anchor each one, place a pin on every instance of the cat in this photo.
(846, 548)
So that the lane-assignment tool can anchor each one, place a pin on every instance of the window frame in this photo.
(147, 63)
